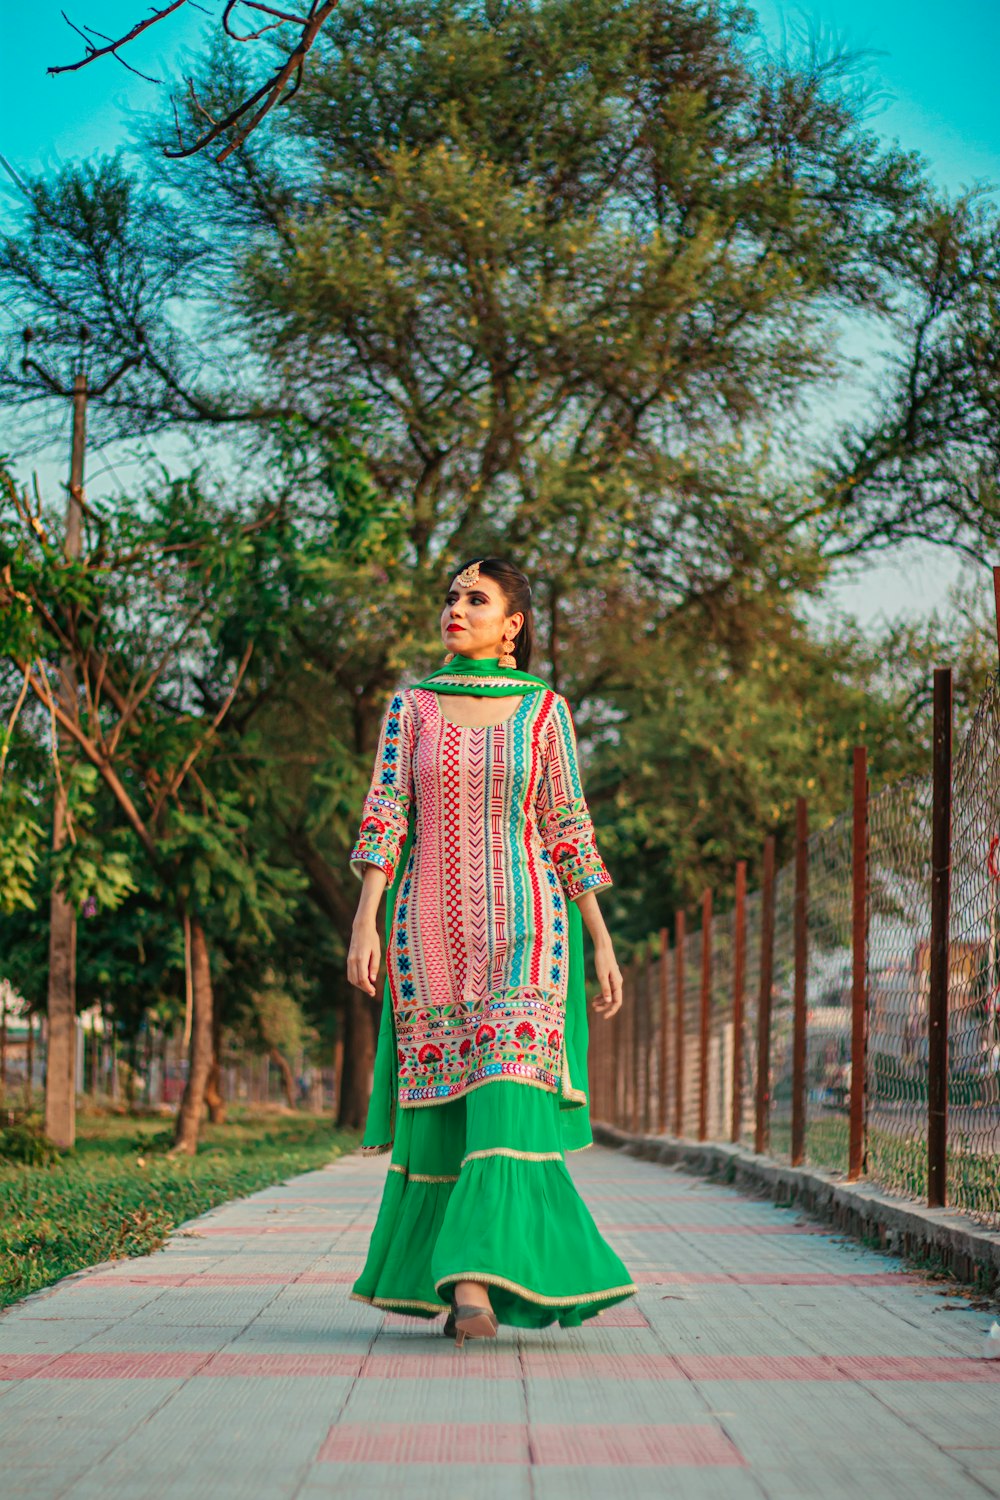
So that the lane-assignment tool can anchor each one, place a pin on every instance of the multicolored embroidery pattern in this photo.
(477, 957)
(445, 1049)
(387, 805)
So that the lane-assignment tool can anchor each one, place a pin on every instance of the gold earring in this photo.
(449, 657)
(507, 657)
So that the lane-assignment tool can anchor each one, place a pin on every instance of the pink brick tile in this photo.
(79, 1365)
(943, 1368)
(283, 1365)
(555, 1364)
(498, 1364)
(576, 1444)
(451, 1363)
(23, 1366)
(624, 1446)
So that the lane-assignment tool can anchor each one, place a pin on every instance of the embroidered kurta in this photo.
(477, 957)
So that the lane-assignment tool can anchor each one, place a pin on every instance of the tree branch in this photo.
(112, 47)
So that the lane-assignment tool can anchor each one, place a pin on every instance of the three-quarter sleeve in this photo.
(561, 810)
(387, 806)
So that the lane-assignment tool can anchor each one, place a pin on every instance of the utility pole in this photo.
(60, 1065)
(60, 1071)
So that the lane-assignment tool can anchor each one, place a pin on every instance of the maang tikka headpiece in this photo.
(468, 578)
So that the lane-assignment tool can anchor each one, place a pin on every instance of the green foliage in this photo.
(121, 1195)
(25, 1141)
(20, 849)
(92, 869)
(272, 1018)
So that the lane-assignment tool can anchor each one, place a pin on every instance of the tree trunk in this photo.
(287, 1077)
(193, 1101)
(359, 1062)
(338, 1064)
(29, 1077)
(214, 1097)
(60, 1064)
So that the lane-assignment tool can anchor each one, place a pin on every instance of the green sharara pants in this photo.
(478, 1190)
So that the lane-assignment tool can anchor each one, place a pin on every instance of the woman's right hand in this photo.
(364, 955)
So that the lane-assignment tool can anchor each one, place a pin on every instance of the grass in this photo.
(899, 1162)
(119, 1194)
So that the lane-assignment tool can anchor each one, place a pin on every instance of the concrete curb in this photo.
(946, 1239)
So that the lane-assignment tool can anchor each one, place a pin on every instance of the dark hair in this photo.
(517, 592)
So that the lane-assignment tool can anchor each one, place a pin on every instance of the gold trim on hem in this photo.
(529, 1296)
(375, 1150)
(399, 1302)
(419, 1176)
(510, 1151)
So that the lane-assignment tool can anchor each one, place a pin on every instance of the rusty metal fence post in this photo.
(635, 1114)
(762, 1130)
(739, 980)
(937, 1009)
(799, 998)
(704, 1016)
(679, 936)
(859, 965)
(664, 991)
(650, 1035)
(618, 1084)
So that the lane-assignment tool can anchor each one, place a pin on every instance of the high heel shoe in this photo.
(470, 1321)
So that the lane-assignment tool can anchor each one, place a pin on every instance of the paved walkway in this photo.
(762, 1357)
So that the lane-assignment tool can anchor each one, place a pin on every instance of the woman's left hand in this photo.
(609, 977)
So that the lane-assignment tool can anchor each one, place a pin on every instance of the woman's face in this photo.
(475, 620)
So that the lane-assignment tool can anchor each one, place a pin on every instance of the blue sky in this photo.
(936, 64)
(934, 67)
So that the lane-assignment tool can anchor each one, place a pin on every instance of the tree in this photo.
(568, 283)
(158, 661)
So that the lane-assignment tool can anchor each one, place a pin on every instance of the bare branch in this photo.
(277, 90)
(172, 784)
(112, 47)
(251, 36)
(112, 780)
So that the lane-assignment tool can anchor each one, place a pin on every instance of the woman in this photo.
(477, 821)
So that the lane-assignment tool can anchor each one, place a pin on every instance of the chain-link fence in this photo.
(849, 955)
(152, 1072)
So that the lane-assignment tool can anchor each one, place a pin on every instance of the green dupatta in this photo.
(482, 679)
